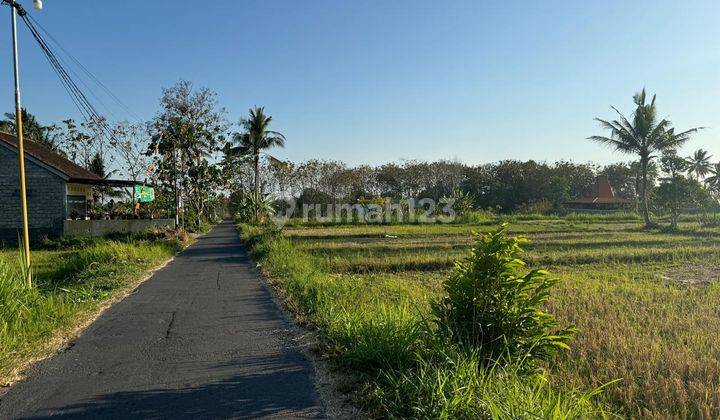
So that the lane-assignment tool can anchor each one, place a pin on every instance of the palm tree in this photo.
(713, 181)
(699, 164)
(645, 137)
(32, 129)
(255, 139)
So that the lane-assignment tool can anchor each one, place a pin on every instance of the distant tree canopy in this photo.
(505, 186)
(196, 158)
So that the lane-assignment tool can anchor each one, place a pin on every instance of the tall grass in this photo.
(374, 326)
(450, 386)
(645, 301)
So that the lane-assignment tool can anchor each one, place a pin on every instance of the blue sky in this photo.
(378, 81)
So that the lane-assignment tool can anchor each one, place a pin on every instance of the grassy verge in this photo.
(72, 282)
(373, 326)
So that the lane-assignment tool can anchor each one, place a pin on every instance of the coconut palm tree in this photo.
(713, 181)
(644, 136)
(32, 129)
(699, 164)
(255, 139)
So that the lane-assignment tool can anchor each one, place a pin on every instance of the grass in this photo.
(372, 324)
(645, 302)
(72, 283)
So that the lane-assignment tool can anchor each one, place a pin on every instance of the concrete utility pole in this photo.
(16, 8)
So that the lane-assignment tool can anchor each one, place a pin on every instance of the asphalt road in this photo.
(201, 339)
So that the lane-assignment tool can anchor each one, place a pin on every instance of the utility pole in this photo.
(175, 188)
(15, 9)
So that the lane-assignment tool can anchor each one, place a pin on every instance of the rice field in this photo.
(647, 302)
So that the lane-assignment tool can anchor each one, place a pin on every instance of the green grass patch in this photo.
(70, 283)
(645, 300)
(372, 324)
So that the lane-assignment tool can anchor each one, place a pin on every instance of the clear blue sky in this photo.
(378, 81)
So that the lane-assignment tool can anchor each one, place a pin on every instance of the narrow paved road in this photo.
(201, 339)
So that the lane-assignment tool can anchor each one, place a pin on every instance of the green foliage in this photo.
(677, 193)
(492, 305)
(186, 135)
(653, 296)
(32, 129)
(672, 164)
(642, 135)
(699, 164)
(713, 181)
(373, 328)
(510, 184)
(476, 217)
(462, 201)
(247, 146)
(449, 385)
(250, 208)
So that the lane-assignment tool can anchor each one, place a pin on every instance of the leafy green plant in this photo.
(676, 193)
(493, 305)
(254, 209)
(462, 202)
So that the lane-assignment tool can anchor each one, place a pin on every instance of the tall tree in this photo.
(186, 135)
(255, 139)
(699, 164)
(645, 136)
(130, 142)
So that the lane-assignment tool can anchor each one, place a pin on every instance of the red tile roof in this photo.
(50, 158)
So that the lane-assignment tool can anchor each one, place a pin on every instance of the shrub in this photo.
(253, 209)
(493, 306)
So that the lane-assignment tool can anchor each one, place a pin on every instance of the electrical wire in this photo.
(77, 95)
(86, 71)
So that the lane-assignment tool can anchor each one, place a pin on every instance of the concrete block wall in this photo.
(105, 227)
(46, 199)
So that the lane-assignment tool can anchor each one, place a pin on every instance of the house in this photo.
(602, 199)
(58, 192)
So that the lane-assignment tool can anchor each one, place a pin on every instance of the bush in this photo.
(492, 306)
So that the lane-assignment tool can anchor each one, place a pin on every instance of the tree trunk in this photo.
(256, 163)
(643, 193)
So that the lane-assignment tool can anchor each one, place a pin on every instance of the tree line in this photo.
(199, 161)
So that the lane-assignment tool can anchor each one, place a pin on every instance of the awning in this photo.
(108, 182)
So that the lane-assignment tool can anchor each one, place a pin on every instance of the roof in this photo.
(70, 169)
(601, 200)
(602, 194)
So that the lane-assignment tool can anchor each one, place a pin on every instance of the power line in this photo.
(84, 105)
(86, 71)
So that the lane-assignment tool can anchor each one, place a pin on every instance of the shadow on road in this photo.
(223, 399)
